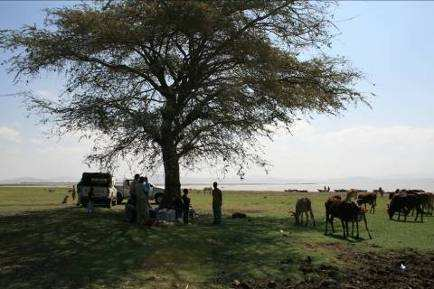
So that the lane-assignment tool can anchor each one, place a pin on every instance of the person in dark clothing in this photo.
(130, 206)
(140, 202)
(73, 193)
(381, 191)
(133, 185)
(217, 204)
(186, 206)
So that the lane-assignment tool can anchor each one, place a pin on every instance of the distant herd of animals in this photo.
(402, 203)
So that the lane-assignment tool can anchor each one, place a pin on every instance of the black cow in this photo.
(404, 203)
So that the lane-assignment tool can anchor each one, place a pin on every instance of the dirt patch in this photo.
(332, 246)
(342, 251)
(392, 270)
(409, 269)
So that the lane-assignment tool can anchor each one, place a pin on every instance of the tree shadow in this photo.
(66, 248)
(28, 205)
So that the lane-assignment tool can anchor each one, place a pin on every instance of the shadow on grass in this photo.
(65, 248)
(411, 219)
(407, 221)
(351, 239)
(28, 205)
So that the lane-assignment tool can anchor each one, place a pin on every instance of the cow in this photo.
(368, 198)
(404, 203)
(346, 212)
(303, 206)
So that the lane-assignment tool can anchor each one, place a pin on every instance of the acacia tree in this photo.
(184, 81)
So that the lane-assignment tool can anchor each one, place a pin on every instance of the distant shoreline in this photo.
(387, 185)
(60, 185)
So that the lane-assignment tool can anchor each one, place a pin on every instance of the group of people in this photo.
(139, 189)
(139, 196)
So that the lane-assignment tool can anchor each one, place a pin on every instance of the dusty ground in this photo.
(368, 270)
(384, 271)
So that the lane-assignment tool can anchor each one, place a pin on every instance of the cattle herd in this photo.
(402, 203)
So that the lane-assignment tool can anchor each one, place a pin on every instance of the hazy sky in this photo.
(391, 42)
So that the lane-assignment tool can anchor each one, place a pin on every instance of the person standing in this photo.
(217, 204)
(146, 206)
(131, 205)
(140, 203)
(381, 191)
(133, 184)
(186, 206)
(73, 193)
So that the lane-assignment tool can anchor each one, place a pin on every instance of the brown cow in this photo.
(303, 206)
(368, 198)
(346, 212)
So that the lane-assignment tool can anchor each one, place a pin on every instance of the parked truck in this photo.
(155, 193)
(104, 191)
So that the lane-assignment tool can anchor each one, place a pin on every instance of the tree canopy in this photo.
(184, 81)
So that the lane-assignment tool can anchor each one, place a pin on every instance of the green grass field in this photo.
(44, 244)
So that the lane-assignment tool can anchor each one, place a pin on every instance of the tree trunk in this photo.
(171, 175)
(170, 157)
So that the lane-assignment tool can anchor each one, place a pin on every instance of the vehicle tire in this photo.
(158, 198)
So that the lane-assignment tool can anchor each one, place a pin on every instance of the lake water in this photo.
(426, 184)
(387, 185)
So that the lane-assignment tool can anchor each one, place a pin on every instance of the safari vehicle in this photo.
(104, 191)
(124, 192)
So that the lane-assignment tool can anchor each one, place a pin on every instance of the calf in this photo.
(346, 212)
(404, 203)
(332, 211)
(303, 206)
(368, 198)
